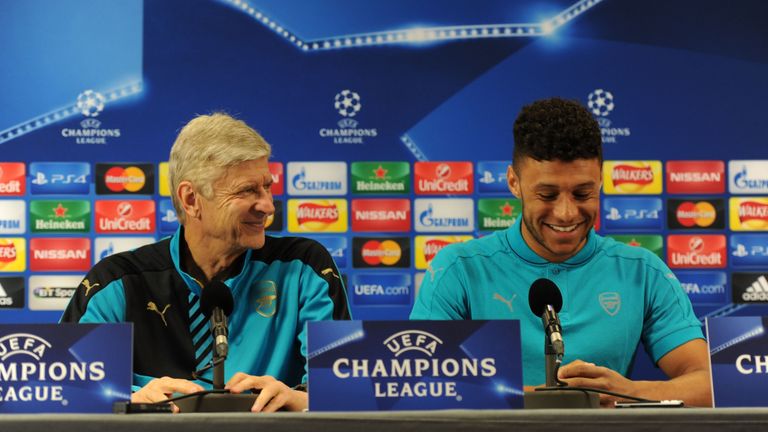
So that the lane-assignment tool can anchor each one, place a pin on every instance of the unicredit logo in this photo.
(622, 174)
(125, 216)
(11, 177)
(309, 212)
(696, 251)
(443, 177)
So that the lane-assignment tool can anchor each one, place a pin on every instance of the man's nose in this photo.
(565, 209)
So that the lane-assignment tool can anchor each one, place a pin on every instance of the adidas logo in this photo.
(5, 300)
(757, 292)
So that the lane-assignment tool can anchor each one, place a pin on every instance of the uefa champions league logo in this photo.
(347, 103)
(90, 103)
(600, 102)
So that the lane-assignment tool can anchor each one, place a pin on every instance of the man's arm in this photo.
(687, 366)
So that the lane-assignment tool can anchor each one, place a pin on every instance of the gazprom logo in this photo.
(317, 178)
(413, 340)
(748, 176)
(444, 215)
(23, 344)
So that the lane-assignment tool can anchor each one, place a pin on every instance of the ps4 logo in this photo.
(170, 217)
(615, 214)
(42, 179)
(633, 213)
(749, 250)
(489, 178)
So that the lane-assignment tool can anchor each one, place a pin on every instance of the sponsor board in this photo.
(444, 215)
(275, 220)
(381, 215)
(11, 293)
(491, 177)
(380, 289)
(418, 278)
(695, 177)
(13, 179)
(495, 214)
(380, 177)
(632, 177)
(381, 252)
(652, 242)
(696, 251)
(167, 221)
(278, 178)
(336, 247)
(428, 246)
(749, 287)
(125, 179)
(632, 214)
(13, 254)
(749, 250)
(163, 180)
(60, 178)
(749, 214)
(13, 216)
(59, 254)
(317, 215)
(52, 292)
(704, 288)
(696, 213)
(125, 216)
(443, 178)
(60, 216)
(106, 246)
(748, 176)
(317, 178)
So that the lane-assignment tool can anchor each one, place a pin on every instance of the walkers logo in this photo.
(91, 103)
(749, 214)
(749, 287)
(106, 246)
(653, 243)
(13, 217)
(275, 220)
(380, 177)
(278, 179)
(163, 180)
(12, 179)
(695, 177)
(444, 215)
(13, 254)
(700, 214)
(492, 176)
(113, 217)
(52, 292)
(441, 178)
(11, 293)
(704, 288)
(60, 178)
(602, 103)
(381, 215)
(428, 246)
(348, 104)
(317, 178)
(381, 252)
(59, 254)
(317, 215)
(497, 213)
(749, 250)
(748, 176)
(632, 214)
(632, 177)
(381, 289)
(136, 179)
(337, 247)
(696, 251)
(60, 216)
(167, 221)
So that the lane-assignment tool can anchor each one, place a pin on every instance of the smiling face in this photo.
(560, 203)
(242, 200)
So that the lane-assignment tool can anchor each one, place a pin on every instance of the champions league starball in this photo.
(347, 103)
(600, 102)
(90, 103)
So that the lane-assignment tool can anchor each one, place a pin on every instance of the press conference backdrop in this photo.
(391, 123)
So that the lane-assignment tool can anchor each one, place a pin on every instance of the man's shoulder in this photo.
(480, 248)
(630, 254)
(286, 249)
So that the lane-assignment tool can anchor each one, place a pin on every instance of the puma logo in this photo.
(432, 272)
(499, 297)
(88, 286)
(151, 306)
(330, 270)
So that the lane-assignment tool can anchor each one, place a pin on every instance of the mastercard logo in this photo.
(701, 214)
(385, 252)
(129, 179)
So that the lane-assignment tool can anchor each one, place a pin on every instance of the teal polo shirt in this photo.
(614, 296)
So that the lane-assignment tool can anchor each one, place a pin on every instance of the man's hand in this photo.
(582, 374)
(273, 395)
(160, 389)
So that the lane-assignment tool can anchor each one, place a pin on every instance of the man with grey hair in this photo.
(220, 183)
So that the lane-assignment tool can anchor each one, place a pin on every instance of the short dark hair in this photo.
(556, 129)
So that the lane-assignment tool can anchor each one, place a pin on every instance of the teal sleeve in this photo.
(106, 306)
(442, 295)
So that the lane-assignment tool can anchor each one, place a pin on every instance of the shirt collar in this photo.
(518, 245)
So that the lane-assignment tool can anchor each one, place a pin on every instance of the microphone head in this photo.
(544, 292)
(216, 295)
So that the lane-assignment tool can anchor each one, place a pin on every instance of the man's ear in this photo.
(513, 181)
(189, 199)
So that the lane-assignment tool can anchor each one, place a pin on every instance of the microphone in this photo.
(217, 303)
(545, 301)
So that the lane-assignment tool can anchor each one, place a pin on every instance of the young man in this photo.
(613, 295)
(221, 192)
